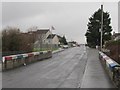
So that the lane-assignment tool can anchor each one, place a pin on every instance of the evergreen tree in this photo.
(64, 40)
(93, 33)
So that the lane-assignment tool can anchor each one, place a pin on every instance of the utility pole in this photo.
(51, 40)
(101, 26)
(51, 28)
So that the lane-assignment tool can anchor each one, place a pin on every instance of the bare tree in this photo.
(11, 39)
(14, 40)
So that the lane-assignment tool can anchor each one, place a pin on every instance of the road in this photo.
(66, 69)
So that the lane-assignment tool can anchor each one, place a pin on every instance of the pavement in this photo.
(95, 75)
(57, 51)
(76, 67)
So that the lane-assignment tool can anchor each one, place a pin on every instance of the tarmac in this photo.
(77, 67)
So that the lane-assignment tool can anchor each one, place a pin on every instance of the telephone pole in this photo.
(101, 27)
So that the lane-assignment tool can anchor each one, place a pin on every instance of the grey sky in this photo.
(68, 18)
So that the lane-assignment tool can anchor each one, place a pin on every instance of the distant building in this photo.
(60, 40)
(116, 36)
(40, 37)
(43, 38)
(72, 44)
(53, 39)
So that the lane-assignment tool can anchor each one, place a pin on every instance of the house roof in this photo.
(40, 31)
(51, 36)
(59, 37)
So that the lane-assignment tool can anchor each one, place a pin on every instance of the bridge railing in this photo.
(13, 61)
(112, 67)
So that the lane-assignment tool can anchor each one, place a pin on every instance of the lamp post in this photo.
(101, 27)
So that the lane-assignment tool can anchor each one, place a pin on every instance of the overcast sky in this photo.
(68, 18)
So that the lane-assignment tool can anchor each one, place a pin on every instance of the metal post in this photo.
(101, 26)
(51, 38)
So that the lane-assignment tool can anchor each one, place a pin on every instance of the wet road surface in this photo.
(70, 68)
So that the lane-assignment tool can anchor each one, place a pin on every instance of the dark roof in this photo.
(59, 37)
(39, 31)
(51, 36)
(42, 31)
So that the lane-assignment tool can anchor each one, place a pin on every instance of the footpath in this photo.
(56, 51)
(95, 75)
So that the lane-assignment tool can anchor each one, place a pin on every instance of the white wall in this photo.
(55, 40)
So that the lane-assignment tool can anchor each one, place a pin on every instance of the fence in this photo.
(13, 61)
(112, 67)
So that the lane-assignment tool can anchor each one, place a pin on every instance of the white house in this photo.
(53, 39)
(45, 39)
(41, 37)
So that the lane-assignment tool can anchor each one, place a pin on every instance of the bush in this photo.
(15, 42)
(112, 42)
(114, 47)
